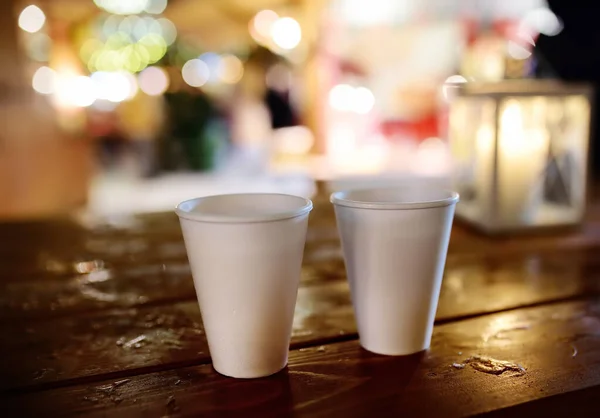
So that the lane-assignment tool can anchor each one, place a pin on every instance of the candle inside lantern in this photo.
(484, 164)
(522, 157)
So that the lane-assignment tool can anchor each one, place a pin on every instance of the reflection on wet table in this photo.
(100, 316)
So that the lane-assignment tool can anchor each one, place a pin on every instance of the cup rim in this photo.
(304, 206)
(343, 198)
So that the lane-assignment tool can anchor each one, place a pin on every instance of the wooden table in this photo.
(99, 318)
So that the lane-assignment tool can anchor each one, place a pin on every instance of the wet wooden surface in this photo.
(99, 317)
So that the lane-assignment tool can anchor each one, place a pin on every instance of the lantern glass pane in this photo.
(520, 159)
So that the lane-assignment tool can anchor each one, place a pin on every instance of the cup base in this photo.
(248, 374)
(387, 351)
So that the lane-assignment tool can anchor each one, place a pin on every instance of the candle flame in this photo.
(512, 118)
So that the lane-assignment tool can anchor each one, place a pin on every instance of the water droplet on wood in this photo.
(492, 366)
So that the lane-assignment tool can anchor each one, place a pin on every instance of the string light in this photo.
(286, 33)
(195, 73)
(153, 81)
(32, 19)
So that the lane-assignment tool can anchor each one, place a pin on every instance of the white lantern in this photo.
(520, 151)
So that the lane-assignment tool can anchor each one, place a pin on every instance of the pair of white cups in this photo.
(245, 251)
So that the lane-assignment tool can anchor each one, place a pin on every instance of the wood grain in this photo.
(60, 350)
(557, 345)
(471, 287)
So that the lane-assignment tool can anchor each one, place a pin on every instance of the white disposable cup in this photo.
(245, 251)
(395, 242)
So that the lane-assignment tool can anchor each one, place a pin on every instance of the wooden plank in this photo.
(42, 353)
(578, 403)
(145, 283)
(74, 347)
(557, 347)
(55, 247)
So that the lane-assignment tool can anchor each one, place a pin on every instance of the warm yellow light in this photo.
(346, 98)
(155, 45)
(341, 97)
(515, 140)
(74, 91)
(363, 100)
(263, 22)
(295, 140)
(88, 48)
(286, 33)
(115, 87)
(484, 140)
(43, 80)
(123, 7)
(32, 19)
(153, 81)
(230, 69)
(512, 119)
(195, 72)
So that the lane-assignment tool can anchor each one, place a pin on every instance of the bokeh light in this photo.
(286, 33)
(155, 45)
(32, 19)
(110, 25)
(341, 97)
(44, 80)
(213, 62)
(294, 140)
(346, 98)
(153, 81)
(123, 7)
(121, 52)
(541, 20)
(230, 69)
(195, 72)
(363, 100)
(74, 90)
(156, 7)
(168, 31)
(263, 22)
(115, 87)
(88, 48)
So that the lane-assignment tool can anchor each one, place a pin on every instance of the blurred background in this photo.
(114, 106)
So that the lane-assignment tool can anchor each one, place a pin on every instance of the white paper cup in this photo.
(245, 251)
(395, 242)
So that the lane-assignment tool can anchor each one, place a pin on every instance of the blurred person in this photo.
(261, 105)
(250, 117)
(277, 96)
(572, 55)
